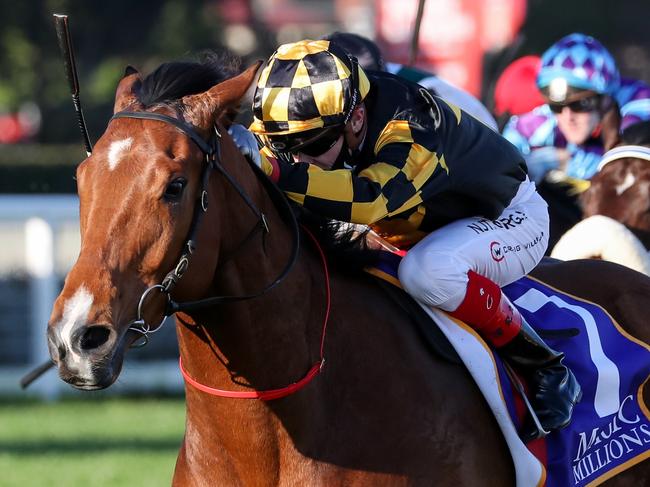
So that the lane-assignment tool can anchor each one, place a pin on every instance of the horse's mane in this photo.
(171, 81)
(345, 248)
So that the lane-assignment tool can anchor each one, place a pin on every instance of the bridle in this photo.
(212, 152)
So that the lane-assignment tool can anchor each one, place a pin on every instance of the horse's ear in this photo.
(204, 109)
(129, 70)
(231, 91)
(125, 94)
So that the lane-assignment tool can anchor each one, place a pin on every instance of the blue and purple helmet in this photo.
(577, 62)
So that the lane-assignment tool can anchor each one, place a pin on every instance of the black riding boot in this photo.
(553, 388)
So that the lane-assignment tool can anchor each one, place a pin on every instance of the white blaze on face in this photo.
(75, 312)
(627, 182)
(115, 151)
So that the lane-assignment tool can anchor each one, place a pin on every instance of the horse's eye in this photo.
(174, 190)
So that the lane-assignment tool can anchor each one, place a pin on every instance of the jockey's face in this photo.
(350, 139)
(325, 160)
(578, 115)
(575, 126)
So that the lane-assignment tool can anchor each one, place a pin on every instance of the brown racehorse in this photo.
(383, 411)
(621, 188)
(616, 207)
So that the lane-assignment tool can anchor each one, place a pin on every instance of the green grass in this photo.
(98, 442)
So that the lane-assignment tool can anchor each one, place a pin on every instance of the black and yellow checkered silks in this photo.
(306, 85)
(405, 160)
(414, 173)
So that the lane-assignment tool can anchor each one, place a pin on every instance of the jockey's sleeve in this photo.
(634, 100)
(583, 163)
(515, 137)
(386, 187)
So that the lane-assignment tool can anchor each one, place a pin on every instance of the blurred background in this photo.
(130, 434)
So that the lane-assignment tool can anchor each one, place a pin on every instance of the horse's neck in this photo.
(267, 342)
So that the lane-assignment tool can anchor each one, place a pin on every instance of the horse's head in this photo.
(621, 188)
(137, 192)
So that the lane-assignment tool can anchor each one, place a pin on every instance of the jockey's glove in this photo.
(246, 142)
(541, 161)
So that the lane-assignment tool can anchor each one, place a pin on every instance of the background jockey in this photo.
(587, 105)
(370, 59)
(378, 150)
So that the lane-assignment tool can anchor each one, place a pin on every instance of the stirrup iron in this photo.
(532, 429)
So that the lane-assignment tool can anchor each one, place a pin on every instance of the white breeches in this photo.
(435, 270)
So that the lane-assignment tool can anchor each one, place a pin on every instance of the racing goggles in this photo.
(584, 105)
(312, 142)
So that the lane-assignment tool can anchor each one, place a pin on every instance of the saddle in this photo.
(610, 365)
(438, 344)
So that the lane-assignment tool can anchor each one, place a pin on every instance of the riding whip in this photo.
(65, 45)
(30, 377)
(416, 33)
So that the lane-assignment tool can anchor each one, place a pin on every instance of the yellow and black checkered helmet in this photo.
(307, 85)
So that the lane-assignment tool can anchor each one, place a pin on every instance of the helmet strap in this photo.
(596, 133)
(347, 155)
(355, 97)
(606, 104)
(344, 155)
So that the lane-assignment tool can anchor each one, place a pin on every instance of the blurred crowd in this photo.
(562, 109)
(20, 126)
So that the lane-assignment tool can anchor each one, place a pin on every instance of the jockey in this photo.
(582, 89)
(370, 59)
(378, 150)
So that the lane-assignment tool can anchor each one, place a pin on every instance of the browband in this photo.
(186, 128)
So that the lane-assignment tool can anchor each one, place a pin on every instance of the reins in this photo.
(212, 152)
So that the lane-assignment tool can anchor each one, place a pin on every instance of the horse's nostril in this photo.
(94, 337)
